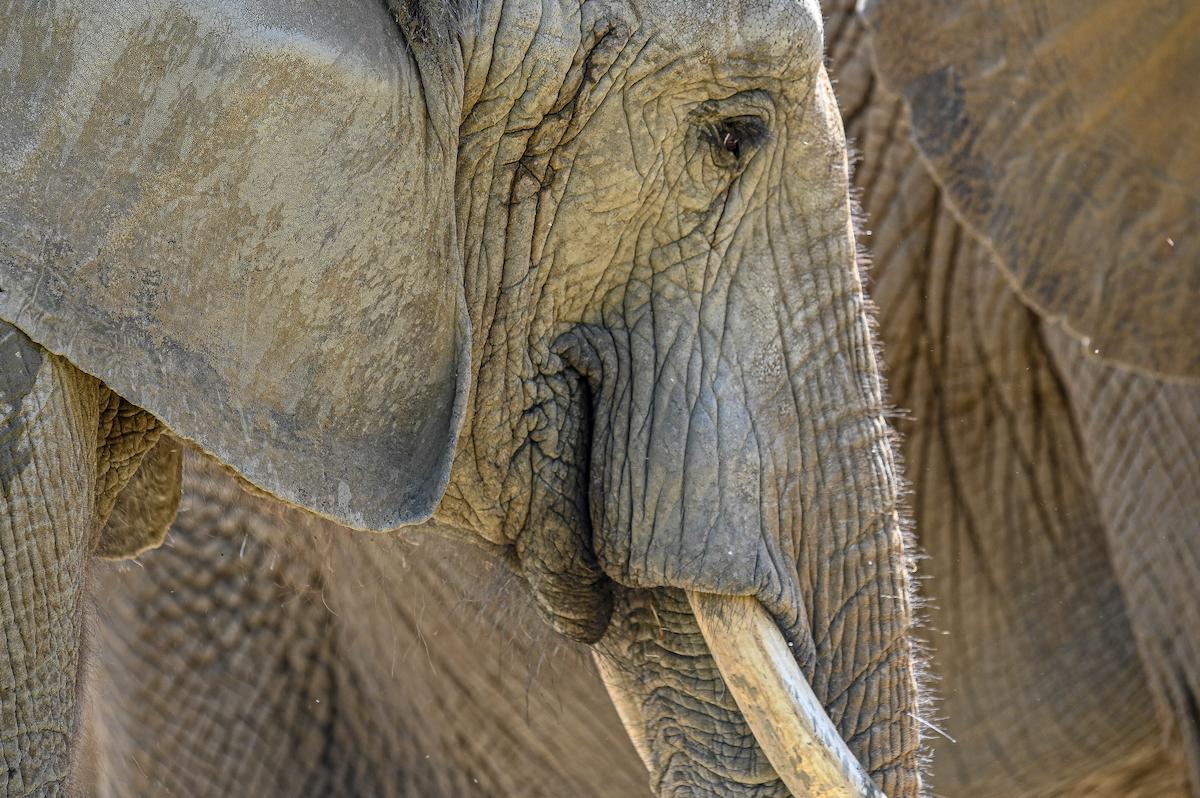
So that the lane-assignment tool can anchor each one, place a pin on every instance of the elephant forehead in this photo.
(767, 31)
(211, 209)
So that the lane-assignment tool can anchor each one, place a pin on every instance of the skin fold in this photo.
(653, 357)
(1046, 632)
(70, 446)
(1060, 634)
(576, 280)
(38, 681)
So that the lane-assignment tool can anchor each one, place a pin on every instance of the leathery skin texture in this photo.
(619, 320)
(666, 387)
(1050, 488)
(1061, 707)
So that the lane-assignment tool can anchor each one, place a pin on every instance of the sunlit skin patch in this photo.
(669, 154)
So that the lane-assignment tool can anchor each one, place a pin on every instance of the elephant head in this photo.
(577, 278)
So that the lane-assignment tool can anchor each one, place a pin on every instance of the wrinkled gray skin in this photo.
(1040, 312)
(1055, 499)
(598, 260)
(1062, 634)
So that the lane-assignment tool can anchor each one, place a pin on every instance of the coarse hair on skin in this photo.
(927, 717)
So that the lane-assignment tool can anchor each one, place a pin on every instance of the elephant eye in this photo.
(734, 138)
(732, 143)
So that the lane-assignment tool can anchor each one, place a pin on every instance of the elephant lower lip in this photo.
(788, 721)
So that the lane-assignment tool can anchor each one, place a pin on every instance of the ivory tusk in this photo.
(780, 707)
(630, 714)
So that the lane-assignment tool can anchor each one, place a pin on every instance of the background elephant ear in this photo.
(1067, 135)
(239, 216)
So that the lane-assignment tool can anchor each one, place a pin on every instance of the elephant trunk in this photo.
(48, 412)
(740, 449)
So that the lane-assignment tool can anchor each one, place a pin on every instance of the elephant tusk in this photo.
(780, 707)
(627, 710)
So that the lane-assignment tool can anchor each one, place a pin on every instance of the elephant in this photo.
(1041, 336)
(1039, 318)
(1061, 634)
(577, 280)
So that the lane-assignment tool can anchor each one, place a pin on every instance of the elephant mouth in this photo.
(785, 717)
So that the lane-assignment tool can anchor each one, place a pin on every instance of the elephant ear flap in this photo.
(240, 217)
(1067, 136)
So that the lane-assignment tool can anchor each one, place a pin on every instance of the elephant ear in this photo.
(239, 216)
(1067, 136)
